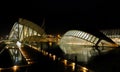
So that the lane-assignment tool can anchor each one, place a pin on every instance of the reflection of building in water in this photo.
(15, 53)
(113, 34)
(79, 43)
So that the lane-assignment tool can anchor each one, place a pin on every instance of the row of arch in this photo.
(113, 34)
(23, 29)
(84, 38)
(83, 35)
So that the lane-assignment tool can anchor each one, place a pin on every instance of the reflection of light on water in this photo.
(43, 52)
(30, 62)
(50, 43)
(0, 69)
(46, 53)
(65, 62)
(73, 66)
(84, 69)
(15, 68)
(50, 54)
(54, 57)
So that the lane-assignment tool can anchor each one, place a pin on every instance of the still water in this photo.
(45, 57)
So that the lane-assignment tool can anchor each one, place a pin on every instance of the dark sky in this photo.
(62, 15)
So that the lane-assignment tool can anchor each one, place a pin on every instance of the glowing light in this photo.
(50, 55)
(58, 36)
(54, 57)
(46, 53)
(84, 69)
(30, 62)
(18, 44)
(15, 68)
(73, 66)
(50, 43)
(65, 62)
(0, 69)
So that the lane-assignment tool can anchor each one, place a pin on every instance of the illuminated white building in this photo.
(82, 44)
(25, 30)
(113, 34)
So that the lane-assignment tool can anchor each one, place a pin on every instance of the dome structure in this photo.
(83, 44)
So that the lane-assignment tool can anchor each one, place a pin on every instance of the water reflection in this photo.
(84, 53)
(16, 55)
(15, 69)
(86, 59)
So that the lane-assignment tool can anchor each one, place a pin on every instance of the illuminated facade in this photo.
(24, 29)
(83, 44)
(77, 37)
(113, 34)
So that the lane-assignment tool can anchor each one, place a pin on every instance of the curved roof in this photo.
(111, 32)
(83, 35)
(88, 38)
(23, 29)
(31, 25)
(93, 31)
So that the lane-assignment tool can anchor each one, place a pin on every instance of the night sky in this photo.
(62, 15)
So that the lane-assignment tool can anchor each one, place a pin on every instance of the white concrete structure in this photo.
(113, 34)
(24, 29)
(83, 45)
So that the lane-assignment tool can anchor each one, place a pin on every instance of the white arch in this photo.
(82, 45)
(80, 38)
(91, 39)
(113, 34)
(23, 29)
